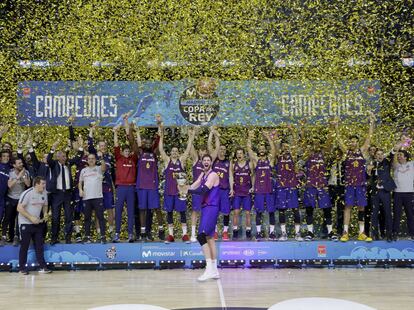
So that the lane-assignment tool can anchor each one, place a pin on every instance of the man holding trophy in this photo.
(174, 167)
(207, 185)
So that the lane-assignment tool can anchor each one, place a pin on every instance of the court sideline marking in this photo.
(222, 300)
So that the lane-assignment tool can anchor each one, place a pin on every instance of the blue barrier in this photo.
(154, 251)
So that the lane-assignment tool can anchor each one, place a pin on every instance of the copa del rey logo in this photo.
(199, 104)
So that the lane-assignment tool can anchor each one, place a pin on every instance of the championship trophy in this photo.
(181, 178)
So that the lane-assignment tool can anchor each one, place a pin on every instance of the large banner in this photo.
(201, 102)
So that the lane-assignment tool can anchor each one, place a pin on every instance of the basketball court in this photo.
(369, 288)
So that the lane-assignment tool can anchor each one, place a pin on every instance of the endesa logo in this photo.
(248, 252)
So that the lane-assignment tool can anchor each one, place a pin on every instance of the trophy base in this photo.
(183, 198)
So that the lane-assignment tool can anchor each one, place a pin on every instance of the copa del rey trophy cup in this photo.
(181, 178)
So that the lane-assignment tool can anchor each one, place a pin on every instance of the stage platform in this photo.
(247, 254)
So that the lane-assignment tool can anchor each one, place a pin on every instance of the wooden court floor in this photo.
(178, 289)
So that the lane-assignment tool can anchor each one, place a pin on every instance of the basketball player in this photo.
(355, 179)
(207, 185)
(196, 199)
(148, 197)
(316, 189)
(173, 165)
(241, 172)
(263, 163)
(221, 165)
(286, 189)
(126, 176)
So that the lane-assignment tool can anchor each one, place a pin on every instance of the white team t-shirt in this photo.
(92, 182)
(404, 177)
(33, 202)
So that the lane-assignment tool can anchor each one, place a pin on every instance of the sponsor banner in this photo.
(126, 252)
(202, 102)
(171, 251)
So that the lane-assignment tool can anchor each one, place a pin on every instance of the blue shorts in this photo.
(259, 202)
(196, 202)
(108, 200)
(286, 198)
(244, 202)
(208, 220)
(313, 195)
(172, 203)
(224, 202)
(356, 196)
(148, 199)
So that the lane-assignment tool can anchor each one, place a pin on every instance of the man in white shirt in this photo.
(19, 180)
(31, 204)
(404, 193)
(90, 189)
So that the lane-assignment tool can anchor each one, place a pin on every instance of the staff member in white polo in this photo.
(31, 203)
(404, 193)
(90, 189)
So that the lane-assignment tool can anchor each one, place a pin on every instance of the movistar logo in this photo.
(150, 253)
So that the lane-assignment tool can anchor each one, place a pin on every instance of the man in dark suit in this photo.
(336, 187)
(61, 185)
(382, 186)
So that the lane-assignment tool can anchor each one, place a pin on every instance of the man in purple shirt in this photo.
(207, 185)
(197, 170)
(173, 165)
(316, 189)
(263, 162)
(241, 172)
(355, 179)
(221, 165)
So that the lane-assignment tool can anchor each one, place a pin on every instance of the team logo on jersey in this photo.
(199, 103)
(111, 252)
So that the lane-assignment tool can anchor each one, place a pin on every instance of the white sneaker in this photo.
(45, 271)
(193, 239)
(298, 237)
(215, 274)
(208, 274)
(283, 237)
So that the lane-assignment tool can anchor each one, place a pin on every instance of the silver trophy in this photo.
(181, 180)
